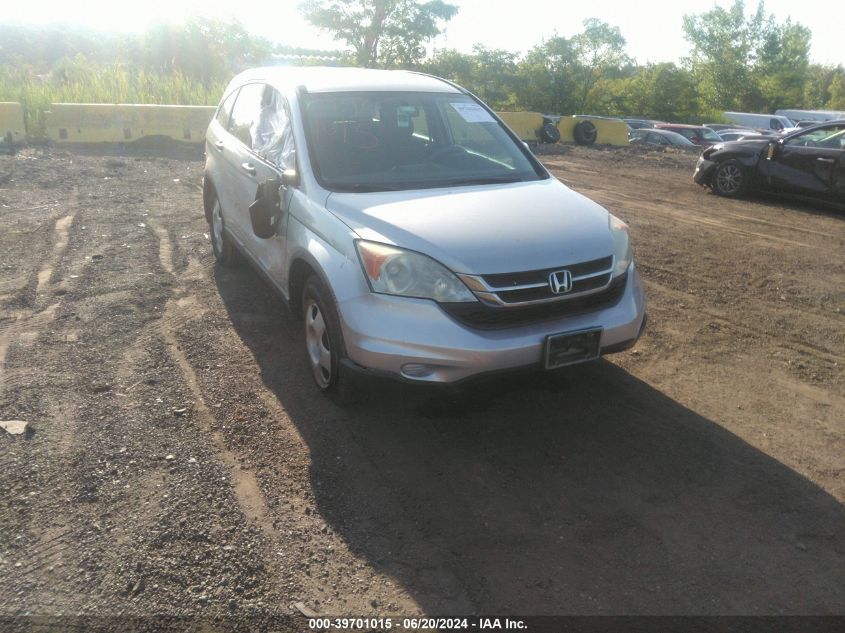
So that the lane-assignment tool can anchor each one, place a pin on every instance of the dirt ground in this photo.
(179, 460)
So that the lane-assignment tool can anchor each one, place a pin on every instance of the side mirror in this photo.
(772, 150)
(290, 178)
(266, 212)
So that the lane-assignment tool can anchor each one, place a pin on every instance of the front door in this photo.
(264, 154)
(806, 163)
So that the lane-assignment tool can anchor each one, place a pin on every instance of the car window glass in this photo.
(246, 113)
(483, 139)
(407, 140)
(829, 137)
(272, 133)
(224, 112)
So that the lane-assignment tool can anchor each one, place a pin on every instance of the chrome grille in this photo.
(532, 287)
(484, 316)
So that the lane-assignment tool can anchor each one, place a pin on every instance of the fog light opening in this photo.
(417, 370)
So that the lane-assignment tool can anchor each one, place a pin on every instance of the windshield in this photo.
(376, 141)
(709, 135)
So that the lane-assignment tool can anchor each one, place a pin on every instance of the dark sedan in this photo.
(697, 134)
(658, 137)
(809, 162)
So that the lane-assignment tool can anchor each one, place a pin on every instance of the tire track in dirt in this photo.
(797, 344)
(283, 531)
(32, 320)
(178, 311)
(244, 483)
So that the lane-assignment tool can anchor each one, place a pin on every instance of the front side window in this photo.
(246, 113)
(710, 135)
(272, 133)
(831, 137)
(378, 141)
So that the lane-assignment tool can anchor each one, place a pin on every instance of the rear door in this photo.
(217, 140)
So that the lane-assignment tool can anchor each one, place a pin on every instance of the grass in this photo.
(108, 84)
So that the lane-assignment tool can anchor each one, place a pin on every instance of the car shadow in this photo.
(582, 491)
(803, 204)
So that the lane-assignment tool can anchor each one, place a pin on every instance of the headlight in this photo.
(395, 271)
(621, 244)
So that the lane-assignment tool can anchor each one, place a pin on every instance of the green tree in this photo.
(385, 33)
(599, 50)
(836, 90)
(656, 91)
(815, 86)
(548, 74)
(783, 64)
(747, 62)
(492, 74)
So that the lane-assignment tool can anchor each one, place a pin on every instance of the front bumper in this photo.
(386, 334)
(703, 171)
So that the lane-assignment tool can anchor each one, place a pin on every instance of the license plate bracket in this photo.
(569, 348)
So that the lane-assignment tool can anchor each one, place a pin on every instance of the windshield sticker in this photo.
(472, 112)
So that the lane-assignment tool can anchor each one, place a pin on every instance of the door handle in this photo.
(826, 160)
(248, 168)
(219, 146)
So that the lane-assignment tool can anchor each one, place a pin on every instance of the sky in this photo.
(652, 30)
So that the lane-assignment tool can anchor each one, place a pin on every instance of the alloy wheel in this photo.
(318, 344)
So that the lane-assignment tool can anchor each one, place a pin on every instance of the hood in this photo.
(752, 143)
(483, 229)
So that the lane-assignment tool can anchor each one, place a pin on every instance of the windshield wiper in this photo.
(485, 180)
(367, 188)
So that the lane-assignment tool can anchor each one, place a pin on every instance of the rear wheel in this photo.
(730, 179)
(324, 344)
(221, 243)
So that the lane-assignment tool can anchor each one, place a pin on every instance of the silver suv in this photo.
(411, 229)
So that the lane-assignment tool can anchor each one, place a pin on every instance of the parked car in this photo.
(658, 137)
(718, 127)
(738, 134)
(698, 134)
(412, 231)
(639, 124)
(809, 162)
(757, 121)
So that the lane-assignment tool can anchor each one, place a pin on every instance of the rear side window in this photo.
(224, 112)
(246, 113)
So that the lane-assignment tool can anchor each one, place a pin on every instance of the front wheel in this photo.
(324, 344)
(730, 179)
(221, 243)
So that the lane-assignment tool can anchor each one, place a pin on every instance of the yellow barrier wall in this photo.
(608, 131)
(121, 123)
(524, 124)
(11, 121)
(527, 124)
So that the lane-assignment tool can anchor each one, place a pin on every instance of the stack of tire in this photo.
(584, 132)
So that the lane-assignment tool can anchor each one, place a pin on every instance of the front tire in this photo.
(324, 344)
(730, 179)
(221, 243)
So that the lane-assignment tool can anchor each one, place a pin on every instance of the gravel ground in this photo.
(179, 462)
